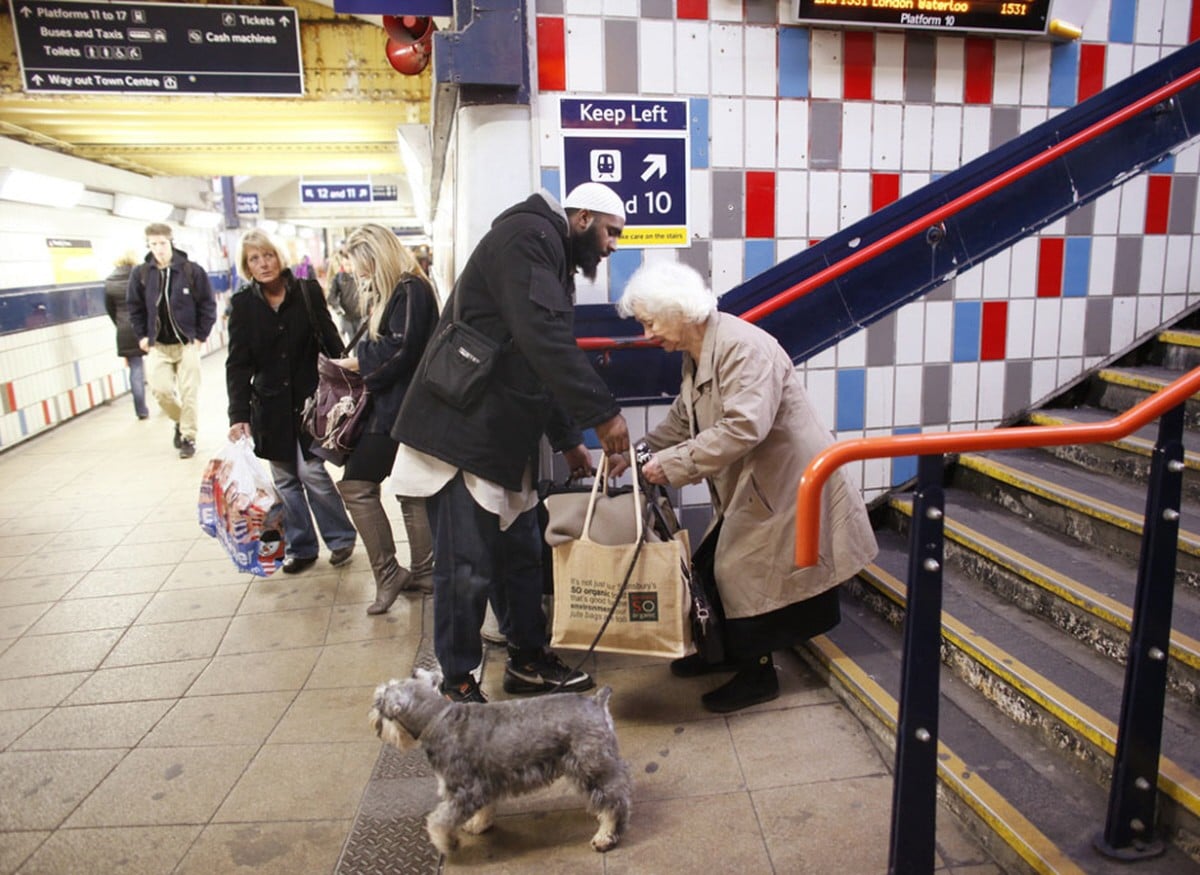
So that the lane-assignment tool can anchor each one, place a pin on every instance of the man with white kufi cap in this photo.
(475, 462)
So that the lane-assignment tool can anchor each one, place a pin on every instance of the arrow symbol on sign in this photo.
(654, 164)
(26, 12)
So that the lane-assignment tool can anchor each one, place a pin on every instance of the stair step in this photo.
(1032, 568)
(1099, 511)
(1179, 349)
(1078, 689)
(1119, 388)
(1180, 337)
(1045, 813)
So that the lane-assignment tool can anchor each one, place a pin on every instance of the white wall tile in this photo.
(700, 203)
(822, 194)
(1102, 266)
(968, 285)
(1176, 22)
(761, 61)
(1019, 337)
(1118, 63)
(1035, 75)
(1154, 256)
(1074, 317)
(1024, 268)
(991, 393)
(908, 397)
(946, 142)
(939, 325)
(691, 57)
(1106, 213)
(949, 76)
(889, 66)
(727, 261)
(880, 392)
(793, 134)
(1177, 264)
(825, 56)
(856, 135)
(1133, 206)
(585, 56)
(964, 392)
(1069, 369)
(1124, 322)
(626, 8)
(997, 276)
(656, 56)
(886, 130)
(791, 188)
(1046, 327)
(725, 10)
(1149, 313)
(727, 57)
(918, 128)
(1006, 84)
(977, 132)
(1031, 118)
(1148, 22)
(1043, 380)
(822, 393)
(727, 128)
(760, 133)
(856, 198)
(852, 350)
(910, 333)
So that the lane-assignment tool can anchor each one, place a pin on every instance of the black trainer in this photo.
(466, 690)
(544, 673)
(187, 448)
(178, 439)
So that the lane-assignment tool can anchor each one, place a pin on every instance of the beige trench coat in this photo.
(743, 422)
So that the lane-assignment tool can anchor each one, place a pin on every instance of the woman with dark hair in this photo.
(277, 325)
(115, 287)
(403, 313)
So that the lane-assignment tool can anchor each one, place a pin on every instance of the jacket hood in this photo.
(178, 257)
(543, 204)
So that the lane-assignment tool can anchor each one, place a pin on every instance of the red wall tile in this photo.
(11, 395)
(692, 9)
(980, 70)
(1050, 267)
(551, 54)
(1194, 30)
(1158, 204)
(885, 188)
(1091, 69)
(46, 412)
(760, 203)
(858, 67)
(992, 345)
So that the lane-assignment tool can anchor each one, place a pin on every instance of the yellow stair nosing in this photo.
(1135, 381)
(1130, 443)
(1175, 781)
(1183, 648)
(1012, 827)
(1189, 542)
(1180, 337)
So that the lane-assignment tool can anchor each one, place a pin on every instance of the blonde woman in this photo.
(402, 315)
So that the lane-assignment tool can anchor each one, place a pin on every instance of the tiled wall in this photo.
(798, 131)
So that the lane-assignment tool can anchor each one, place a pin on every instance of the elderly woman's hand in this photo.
(652, 470)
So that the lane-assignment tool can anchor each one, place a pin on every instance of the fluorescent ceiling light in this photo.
(287, 229)
(206, 219)
(37, 188)
(268, 225)
(131, 206)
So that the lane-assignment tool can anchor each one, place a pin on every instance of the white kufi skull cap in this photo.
(597, 197)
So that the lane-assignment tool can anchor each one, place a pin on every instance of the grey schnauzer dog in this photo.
(483, 753)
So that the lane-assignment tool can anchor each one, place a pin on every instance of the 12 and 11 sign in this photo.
(639, 148)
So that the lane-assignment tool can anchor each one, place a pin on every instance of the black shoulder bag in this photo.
(458, 361)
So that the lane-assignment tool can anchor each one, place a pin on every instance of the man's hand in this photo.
(614, 435)
(579, 462)
(618, 464)
(144, 344)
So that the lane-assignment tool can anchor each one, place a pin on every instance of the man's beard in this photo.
(586, 250)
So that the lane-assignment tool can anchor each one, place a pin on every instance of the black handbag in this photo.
(335, 415)
(707, 615)
(458, 361)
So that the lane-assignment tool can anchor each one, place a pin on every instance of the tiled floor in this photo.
(161, 713)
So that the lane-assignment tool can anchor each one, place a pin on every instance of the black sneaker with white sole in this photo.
(466, 690)
(542, 674)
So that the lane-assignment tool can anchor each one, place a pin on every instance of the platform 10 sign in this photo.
(639, 148)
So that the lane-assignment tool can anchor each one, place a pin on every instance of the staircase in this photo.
(1040, 568)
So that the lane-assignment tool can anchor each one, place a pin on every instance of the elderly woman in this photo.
(403, 313)
(743, 424)
(277, 325)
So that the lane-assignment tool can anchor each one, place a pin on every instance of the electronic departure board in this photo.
(942, 15)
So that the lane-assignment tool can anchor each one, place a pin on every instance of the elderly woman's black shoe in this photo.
(754, 684)
(695, 665)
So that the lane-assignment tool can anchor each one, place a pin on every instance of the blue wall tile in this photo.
(968, 318)
(698, 131)
(1121, 17)
(1064, 74)
(851, 399)
(621, 265)
(551, 180)
(904, 468)
(1077, 263)
(759, 255)
(794, 50)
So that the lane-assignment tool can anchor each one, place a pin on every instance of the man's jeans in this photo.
(305, 483)
(473, 559)
(171, 367)
(137, 384)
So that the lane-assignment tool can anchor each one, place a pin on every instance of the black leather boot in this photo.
(754, 683)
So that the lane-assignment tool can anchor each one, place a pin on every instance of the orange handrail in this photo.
(808, 496)
(1001, 180)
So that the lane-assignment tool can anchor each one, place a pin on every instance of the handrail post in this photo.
(1129, 831)
(914, 787)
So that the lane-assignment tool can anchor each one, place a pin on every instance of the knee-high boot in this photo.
(361, 498)
(420, 542)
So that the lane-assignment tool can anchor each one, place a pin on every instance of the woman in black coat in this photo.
(276, 328)
(403, 313)
(127, 343)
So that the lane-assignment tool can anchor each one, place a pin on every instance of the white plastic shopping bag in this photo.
(241, 508)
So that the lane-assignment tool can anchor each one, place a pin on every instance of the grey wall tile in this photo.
(944, 292)
(695, 519)
(1018, 382)
(920, 53)
(1183, 205)
(825, 135)
(1081, 222)
(728, 187)
(658, 8)
(762, 12)
(935, 395)
(699, 256)
(881, 342)
(1097, 330)
(621, 56)
(1006, 124)
(549, 7)
(1127, 272)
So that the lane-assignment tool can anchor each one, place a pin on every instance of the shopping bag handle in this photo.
(602, 477)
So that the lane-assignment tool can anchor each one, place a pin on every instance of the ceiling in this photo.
(344, 127)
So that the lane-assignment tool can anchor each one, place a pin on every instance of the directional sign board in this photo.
(80, 47)
(639, 148)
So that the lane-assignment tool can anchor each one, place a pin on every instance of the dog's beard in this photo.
(391, 731)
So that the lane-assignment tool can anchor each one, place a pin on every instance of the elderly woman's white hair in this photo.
(668, 289)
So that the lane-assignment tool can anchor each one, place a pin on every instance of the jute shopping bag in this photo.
(651, 615)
